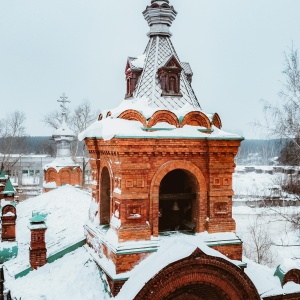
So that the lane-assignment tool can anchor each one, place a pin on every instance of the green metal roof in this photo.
(2, 174)
(38, 217)
(8, 251)
(279, 273)
(9, 189)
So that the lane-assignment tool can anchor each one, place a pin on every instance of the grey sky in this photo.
(235, 48)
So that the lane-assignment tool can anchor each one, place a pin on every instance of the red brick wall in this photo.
(37, 250)
(8, 228)
(137, 166)
(231, 251)
(68, 175)
(124, 262)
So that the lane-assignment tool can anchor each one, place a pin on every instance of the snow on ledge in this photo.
(120, 128)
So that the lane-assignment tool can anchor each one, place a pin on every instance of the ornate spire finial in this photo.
(159, 16)
(63, 100)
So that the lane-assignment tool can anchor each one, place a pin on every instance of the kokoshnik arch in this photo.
(160, 164)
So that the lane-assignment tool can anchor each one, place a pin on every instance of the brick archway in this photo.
(199, 276)
(201, 195)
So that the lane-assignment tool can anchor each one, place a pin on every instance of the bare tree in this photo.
(257, 245)
(12, 133)
(53, 119)
(283, 122)
(283, 119)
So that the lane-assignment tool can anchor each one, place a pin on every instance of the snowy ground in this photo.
(250, 183)
(285, 240)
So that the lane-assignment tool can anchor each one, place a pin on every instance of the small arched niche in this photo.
(163, 116)
(134, 115)
(177, 201)
(196, 118)
(105, 197)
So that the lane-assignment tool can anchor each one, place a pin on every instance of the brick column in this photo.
(37, 249)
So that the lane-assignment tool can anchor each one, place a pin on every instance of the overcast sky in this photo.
(80, 47)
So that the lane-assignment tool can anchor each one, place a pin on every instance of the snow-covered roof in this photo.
(266, 283)
(187, 68)
(109, 128)
(73, 277)
(167, 253)
(137, 63)
(61, 162)
(67, 209)
(63, 130)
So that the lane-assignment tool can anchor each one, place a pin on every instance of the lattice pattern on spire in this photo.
(158, 50)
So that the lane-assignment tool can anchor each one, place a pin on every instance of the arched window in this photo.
(105, 197)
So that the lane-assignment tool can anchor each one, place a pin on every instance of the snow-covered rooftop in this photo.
(67, 209)
(61, 162)
(109, 128)
(73, 277)
(63, 130)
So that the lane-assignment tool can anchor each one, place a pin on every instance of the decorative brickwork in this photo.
(163, 116)
(196, 118)
(8, 220)
(216, 120)
(292, 275)
(68, 175)
(199, 276)
(133, 115)
(137, 167)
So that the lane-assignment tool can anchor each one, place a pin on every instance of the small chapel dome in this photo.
(63, 130)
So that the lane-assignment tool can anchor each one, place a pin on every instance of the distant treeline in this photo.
(260, 152)
(29, 145)
(38, 145)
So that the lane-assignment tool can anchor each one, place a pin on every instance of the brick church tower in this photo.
(160, 166)
(63, 170)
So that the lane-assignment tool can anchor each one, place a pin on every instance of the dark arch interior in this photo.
(177, 201)
(105, 197)
(199, 291)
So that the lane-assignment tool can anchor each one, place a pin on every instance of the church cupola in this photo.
(160, 16)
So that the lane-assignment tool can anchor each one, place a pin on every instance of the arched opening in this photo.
(177, 201)
(105, 197)
(201, 291)
(172, 85)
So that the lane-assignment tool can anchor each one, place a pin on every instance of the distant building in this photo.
(63, 170)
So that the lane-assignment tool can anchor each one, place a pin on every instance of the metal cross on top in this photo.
(63, 100)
